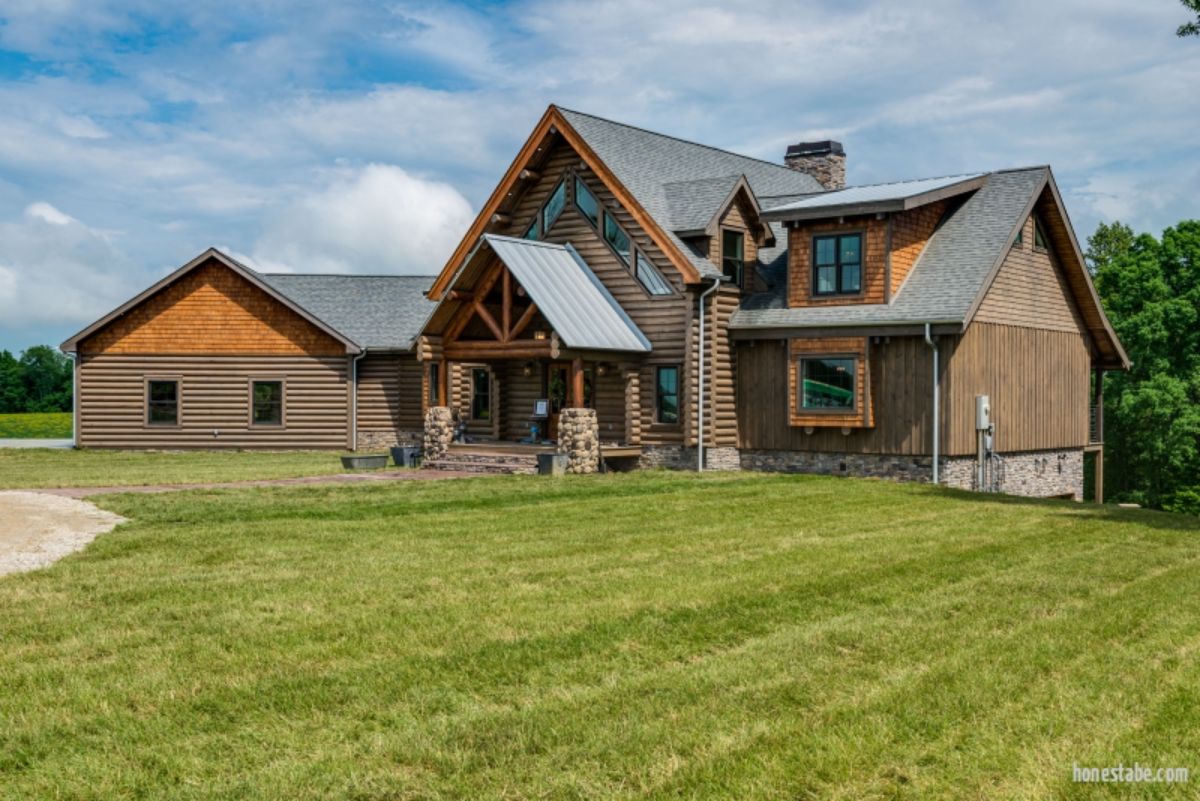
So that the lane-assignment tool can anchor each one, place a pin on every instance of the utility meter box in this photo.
(983, 413)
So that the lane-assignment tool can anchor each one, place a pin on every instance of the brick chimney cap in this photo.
(825, 147)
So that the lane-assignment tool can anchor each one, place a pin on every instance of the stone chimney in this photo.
(825, 161)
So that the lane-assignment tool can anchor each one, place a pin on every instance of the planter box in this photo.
(371, 462)
(552, 464)
(406, 456)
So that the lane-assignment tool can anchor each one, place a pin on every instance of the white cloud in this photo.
(46, 213)
(378, 219)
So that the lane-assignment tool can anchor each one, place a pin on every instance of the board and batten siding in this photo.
(214, 401)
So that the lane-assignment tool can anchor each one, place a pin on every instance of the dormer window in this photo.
(555, 205)
(837, 264)
(733, 249)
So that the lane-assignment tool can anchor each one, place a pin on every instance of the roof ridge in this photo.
(678, 139)
(350, 275)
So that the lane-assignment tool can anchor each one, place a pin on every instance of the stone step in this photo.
(462, 464)
(520, 459)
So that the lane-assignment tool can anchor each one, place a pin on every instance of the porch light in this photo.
(539, 334)
(601, 369)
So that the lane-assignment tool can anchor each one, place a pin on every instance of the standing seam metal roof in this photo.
(569, 295)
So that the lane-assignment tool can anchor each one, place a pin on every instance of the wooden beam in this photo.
(461, 294)
(470, 351)
(577, 382)
(506, 307)
(443, 382)
(501, 219)
(530, 175)
(523, 322)
(487, 318)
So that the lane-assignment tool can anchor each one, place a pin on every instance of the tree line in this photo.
(1150, 288)
(39, 380)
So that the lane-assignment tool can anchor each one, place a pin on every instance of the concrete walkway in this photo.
(57, 444)
(374, 476)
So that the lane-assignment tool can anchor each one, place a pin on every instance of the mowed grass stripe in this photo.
(640, 636)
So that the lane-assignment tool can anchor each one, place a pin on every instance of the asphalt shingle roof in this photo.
(948, 276)
(647, 163)
(375, 311)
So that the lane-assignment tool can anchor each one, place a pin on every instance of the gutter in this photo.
(937, 419)
(74, 398)
(700, 370)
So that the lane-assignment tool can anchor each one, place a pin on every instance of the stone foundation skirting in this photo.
(680, 457)
(382, 440)
(1034, 474)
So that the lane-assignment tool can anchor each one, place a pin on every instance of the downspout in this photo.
(700, 371)
(74, 399)
(354, 399)
(937, 420)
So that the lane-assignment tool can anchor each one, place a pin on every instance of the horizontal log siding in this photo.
(1030, 290)
(664, 320)
(389, 393)
(520, 392)
(214, 394)
(1037, 381)
(212, 310)
(900, 376)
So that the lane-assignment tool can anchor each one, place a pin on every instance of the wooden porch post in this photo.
(1099, 467)
(577, 382)
(443, 379)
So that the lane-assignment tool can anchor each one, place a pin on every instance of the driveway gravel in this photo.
(37, 529)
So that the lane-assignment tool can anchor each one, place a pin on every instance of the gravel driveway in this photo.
(38, 529)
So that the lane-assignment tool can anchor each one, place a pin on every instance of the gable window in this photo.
(481, 394)
(828, 383)
(162, 402)
(534, 230)
(733, 244)
(1039, 238)
(650, 278)
(837, 264)
(1020, 240)
(666, 395)
(266, 404)
(586, 202)
(554, 206)
(614, 236)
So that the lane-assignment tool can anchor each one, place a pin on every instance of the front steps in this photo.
(482, 459)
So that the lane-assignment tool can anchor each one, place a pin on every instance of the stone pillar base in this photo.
(439, 432)
(579, 439)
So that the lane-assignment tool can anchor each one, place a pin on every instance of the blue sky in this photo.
(360, 136)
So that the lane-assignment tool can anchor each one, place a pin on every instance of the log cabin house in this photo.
(626, 297)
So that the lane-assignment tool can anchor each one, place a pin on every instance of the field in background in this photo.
(21, 468)
(48, 425)
(642, 635)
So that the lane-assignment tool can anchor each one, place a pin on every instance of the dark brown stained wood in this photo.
(737, 218)
(1030, 290)
(855, 347)
(214, 395)
(900, 377)
(800, 260)
(390, 393)
(1038, 382)
(212, 310)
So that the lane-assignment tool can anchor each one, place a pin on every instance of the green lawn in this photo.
(21, 468)
(47, 425)
(624, 636)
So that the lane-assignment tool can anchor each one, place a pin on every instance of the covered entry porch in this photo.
(528, 348)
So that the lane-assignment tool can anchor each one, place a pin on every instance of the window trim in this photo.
(575, 184)
(862, 263)
(627, 260)
(542, 213)
(266, 379)
(801, 409)
(678, 395)
(488, 373)
(157, 377)
(640, 253)
(434, 393)
(631, 266)
(741, 282)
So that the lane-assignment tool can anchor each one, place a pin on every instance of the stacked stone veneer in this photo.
(439, 432)
(680, 457)
(579, 439)
(381, 440)
(1036, 474)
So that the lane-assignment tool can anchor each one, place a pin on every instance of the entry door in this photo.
(558, 382)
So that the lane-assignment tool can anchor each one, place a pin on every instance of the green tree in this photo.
(46, 375)
(1190, 28)
(1151, 291)
(12, 385)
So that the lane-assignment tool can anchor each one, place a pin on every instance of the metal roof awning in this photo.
(898, 196)
(569, 295)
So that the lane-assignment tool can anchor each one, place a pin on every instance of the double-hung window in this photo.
(827, 383)
(666, 394)
(733, 245)
(162, 402)
(837, 264)
(266, 403)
